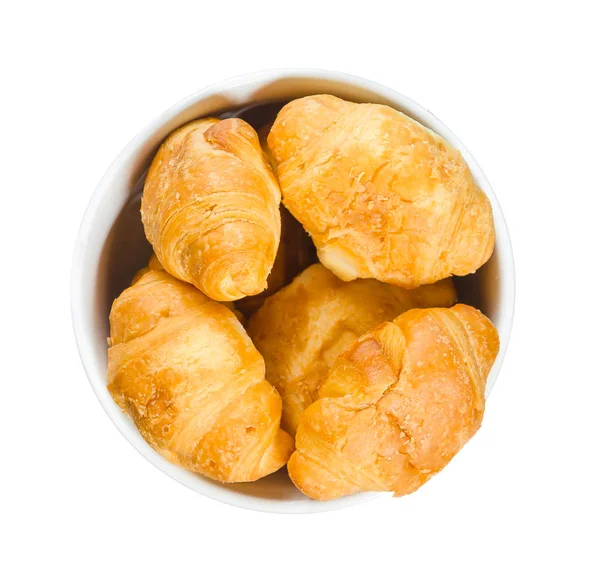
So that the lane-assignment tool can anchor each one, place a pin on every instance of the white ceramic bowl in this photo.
(111, 246)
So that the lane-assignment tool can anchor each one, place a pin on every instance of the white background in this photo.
(517, 84)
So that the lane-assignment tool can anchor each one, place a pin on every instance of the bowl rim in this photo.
(256, 79)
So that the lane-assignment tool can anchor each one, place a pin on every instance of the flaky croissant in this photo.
(303, 327)
(210, 208)
(184, 369)
(381, 195)
(397, 405)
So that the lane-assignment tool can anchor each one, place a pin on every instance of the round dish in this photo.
(111, 246)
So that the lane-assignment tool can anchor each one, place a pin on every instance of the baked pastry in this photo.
(295, 253)
(397, 405)
(303, 327)
(184, 369)
(210, 208)
(381, 195)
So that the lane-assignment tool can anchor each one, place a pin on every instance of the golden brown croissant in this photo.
(295, 253)
(184, 369)
(302, 328)
(381, 195)
(397, 405)
(211, 208)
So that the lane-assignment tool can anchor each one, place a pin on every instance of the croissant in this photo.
(210, 208)
(397, 405)
(184, 369)
(303, 327)
(295, 253)
(381, 195)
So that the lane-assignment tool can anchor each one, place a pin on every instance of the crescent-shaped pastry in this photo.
(382, 196)
(183, 368)
(210, 208)
(397, 405)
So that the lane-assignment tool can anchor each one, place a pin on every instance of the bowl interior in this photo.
(111, 247)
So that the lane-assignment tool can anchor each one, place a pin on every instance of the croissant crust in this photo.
(210, 208)
(184, 369)
(397, 405)
(381, 195)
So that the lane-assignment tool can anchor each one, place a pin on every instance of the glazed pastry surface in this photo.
(397, 405)
(303, 327)
(382, 196)
(186, 372)
(210, 208)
